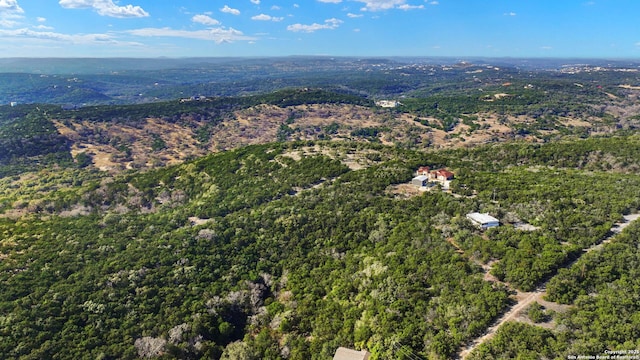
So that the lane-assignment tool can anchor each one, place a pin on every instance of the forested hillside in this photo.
(256, 209)
(290, 250)
(602, 289)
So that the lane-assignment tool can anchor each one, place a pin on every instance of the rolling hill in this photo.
(283, 224)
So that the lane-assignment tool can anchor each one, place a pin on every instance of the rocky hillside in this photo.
(116, 138)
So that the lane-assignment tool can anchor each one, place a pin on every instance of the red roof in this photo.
(446, 173)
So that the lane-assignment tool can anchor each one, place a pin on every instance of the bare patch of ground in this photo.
(453, 243)
(501, 95)
(101, 155)
(354, 160)
(105, 142)
(195, 221)
(77, 210)
(260, 124)
(630, 87)
(487, 272)
(525, 227)
(403, 191)
(568, 121)
(560, 308)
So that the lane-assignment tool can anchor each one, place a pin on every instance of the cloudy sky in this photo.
(186, 28)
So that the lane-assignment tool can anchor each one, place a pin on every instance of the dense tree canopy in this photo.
(292, 249)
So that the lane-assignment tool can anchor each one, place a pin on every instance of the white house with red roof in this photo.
(424, 176)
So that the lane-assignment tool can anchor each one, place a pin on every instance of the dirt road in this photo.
(524, 299)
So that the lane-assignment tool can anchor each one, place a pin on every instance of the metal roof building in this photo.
(421, 180)
(484, 221)
(349, 354)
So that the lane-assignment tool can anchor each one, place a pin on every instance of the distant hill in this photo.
(83, 82)
(117, 137)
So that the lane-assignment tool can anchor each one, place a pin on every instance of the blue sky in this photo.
(193, 28)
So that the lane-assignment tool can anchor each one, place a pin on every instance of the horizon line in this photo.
(326, 56)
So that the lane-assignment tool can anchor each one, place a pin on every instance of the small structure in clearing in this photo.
(483, 221)
(525, 227)
(349, 354)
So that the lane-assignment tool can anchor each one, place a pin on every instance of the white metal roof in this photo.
(482, 218)
(421, 177)
(348, 354)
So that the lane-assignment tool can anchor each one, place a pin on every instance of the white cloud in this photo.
(329, 24)
(7, 23)
(410, 7)
(83, 39)
(41, 19)
(275, 7)
(106, 8)
(354, 15)
(205, 20)
(510, 14)
(10, 11)
(43, 27)
(265, 17)
(433, 2)
(228, 10)
(257, 2)
(378, 5)
(218, 35)
(10, 6)
(331, 1)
